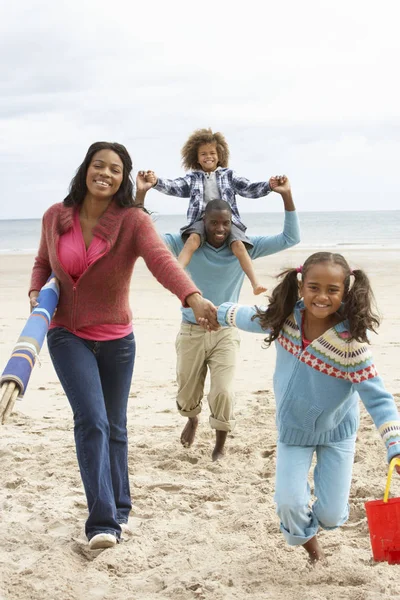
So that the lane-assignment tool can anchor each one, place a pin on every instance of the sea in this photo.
(319, 230)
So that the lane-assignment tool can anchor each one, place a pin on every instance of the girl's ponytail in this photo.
(281, 304)
(359, 307)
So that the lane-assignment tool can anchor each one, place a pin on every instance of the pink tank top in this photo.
(76, 259)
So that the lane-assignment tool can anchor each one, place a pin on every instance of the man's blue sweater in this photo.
(217, 271)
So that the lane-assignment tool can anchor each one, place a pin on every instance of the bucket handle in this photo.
(395, 461)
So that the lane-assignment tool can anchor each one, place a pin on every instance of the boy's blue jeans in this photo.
(332, 480)
(96, 377)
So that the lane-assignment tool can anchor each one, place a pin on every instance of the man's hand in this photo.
(279, 184)
(204, 311)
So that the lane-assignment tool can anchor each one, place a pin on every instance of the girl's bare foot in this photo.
(189, 432)
(315, 552)
(259, 289)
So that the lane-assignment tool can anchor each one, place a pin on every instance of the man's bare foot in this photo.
(189, 432)
(220, 438)
(315, 552)
(259, 289)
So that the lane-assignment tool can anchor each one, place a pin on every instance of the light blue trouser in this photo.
(332, 480)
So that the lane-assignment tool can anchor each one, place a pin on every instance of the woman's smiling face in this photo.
(104, 174)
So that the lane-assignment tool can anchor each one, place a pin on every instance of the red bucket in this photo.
(384, 524)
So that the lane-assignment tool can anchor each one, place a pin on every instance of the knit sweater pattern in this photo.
(101, 294)
(317, 389)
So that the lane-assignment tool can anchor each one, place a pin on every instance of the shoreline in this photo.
(345, 247)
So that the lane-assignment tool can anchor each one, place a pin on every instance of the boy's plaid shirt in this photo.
(192, 186)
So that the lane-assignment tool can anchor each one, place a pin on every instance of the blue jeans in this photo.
(96, 377)
(332, 480)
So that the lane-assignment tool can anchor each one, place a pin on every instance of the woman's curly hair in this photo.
(199, 137)
(78, 189)
(357, 307)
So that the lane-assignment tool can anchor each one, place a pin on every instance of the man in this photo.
(218, 274)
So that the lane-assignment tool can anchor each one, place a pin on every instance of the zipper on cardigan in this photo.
(73, 307)
(294, 371)
(75, 283)
(284, 406)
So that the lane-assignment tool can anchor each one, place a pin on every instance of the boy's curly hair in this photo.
(204, 136)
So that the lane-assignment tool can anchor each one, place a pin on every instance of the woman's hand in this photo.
(151, 177)
(144, 181)
(143, 185)
(204, 311)
(33, 299)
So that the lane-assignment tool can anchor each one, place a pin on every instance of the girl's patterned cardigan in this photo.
(317, 389)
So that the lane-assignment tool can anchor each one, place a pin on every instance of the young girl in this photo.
(323, 362)
(207, 154)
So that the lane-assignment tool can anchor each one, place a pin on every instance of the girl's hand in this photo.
(33, 299)
(203, 323)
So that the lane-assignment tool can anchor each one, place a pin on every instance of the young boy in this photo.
(206, 155)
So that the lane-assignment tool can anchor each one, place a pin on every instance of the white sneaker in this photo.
(102, 540)
(125, 528)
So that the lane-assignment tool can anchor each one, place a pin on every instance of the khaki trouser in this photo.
(197, 349)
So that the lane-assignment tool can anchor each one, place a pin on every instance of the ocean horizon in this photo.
(326, 229)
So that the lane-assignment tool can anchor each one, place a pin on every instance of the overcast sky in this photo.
(310, 89)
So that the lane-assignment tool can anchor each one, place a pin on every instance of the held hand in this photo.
(33, 299)
(143, 182)
(151, 177)
(204, 312)
(279, 184)
(204, 323)
(208, 315)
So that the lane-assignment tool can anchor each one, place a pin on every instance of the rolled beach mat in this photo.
(15, 377)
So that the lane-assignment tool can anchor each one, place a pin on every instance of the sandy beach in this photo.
(200, 530)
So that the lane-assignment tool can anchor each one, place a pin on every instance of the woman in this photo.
(91, 242)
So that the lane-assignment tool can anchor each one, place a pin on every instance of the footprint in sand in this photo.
(193, 460)
(268, 453)
(167, 487)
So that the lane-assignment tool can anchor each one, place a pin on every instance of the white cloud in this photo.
(303, 88)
